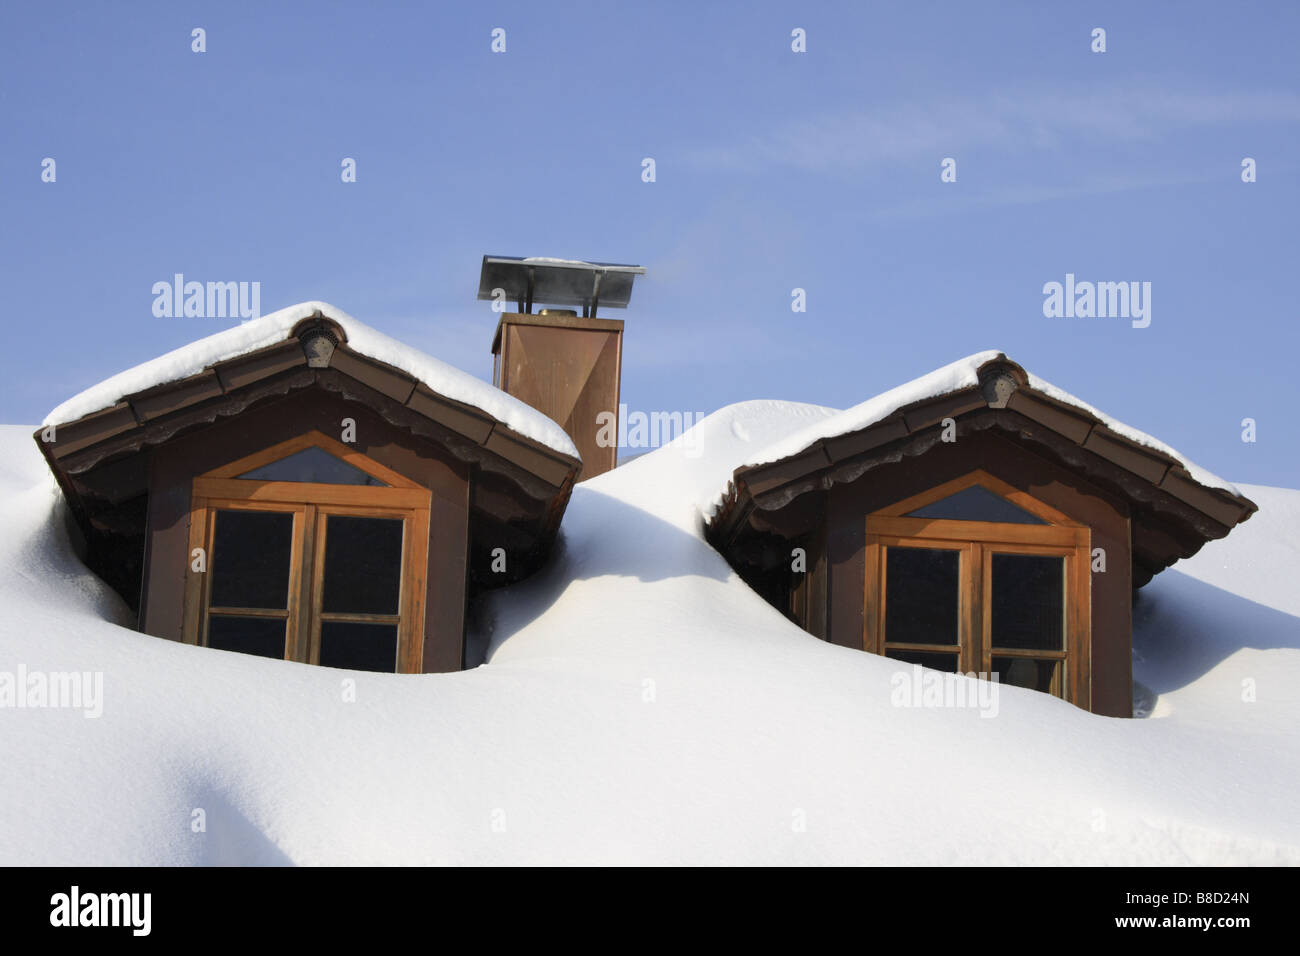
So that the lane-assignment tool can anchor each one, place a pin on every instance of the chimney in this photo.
(563, 364)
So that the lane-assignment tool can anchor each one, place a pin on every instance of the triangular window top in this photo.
(315, 464)
(976, 503)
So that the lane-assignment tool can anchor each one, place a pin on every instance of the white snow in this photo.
(958, 375)
(273, 328)
(642, 705)
(550, 260)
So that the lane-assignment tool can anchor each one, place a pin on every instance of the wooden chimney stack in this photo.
(565, 364)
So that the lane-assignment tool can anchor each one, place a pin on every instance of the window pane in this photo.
(312, 464)
(976, 503)
(1024, 672)
(247, 635)
(1029, 602)
(363, 564)
(921, 586)
(931, 659)
(358, 647)
(250, 559)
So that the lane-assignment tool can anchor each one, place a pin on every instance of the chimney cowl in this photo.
(540, 280)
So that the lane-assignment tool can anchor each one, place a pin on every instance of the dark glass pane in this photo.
(921, 586)
(358, 647)
(976, 503)
(1023, 672)
(250, 559)
(930, 659)
(248, 635)
(363, 564)
(1029, 602)
(313, 464)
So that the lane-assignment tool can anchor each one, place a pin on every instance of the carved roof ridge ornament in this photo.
(318, 337)
(999, 379)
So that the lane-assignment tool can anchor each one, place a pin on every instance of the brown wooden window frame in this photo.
(976, 542)
(311, 504)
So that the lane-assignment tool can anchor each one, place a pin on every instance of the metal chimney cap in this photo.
(572, 282)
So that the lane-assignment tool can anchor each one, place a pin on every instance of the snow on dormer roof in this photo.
(963, 374)
(277, 327)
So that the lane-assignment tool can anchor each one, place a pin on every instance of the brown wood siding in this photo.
(1107, 516)
(815, 624)
(446, 593)
(568, 368)
(174, 466)
(167, 549)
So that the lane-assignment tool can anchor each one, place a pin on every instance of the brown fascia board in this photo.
(1145, 464)
(88, 430)
(165, 399)
(382, 378)
(163, 428)
(1087, 430)
(1063, 419)
(1074, 424)
(760, 480)
(934, 410)
(465, 419)
(1160, 469)
(855, 443)
(532, 456)
(141, 407)
(1222, 507)
(247, 369)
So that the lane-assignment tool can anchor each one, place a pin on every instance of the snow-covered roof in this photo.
(962, 374)
(276, 327)
(561, 732)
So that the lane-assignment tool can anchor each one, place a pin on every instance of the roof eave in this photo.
(1002, 385)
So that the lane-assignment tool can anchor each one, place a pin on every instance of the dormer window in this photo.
(314, 553)
(975, 575)
(214, 500)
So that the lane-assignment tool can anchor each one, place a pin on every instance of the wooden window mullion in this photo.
(314, 594)
(972, 606)
(300, 597)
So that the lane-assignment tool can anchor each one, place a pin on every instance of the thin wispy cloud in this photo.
(1024, 194)
(853, 139)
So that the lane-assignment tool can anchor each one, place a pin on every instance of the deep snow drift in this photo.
(640, 704)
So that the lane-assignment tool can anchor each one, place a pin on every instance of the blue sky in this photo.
(775, 170)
